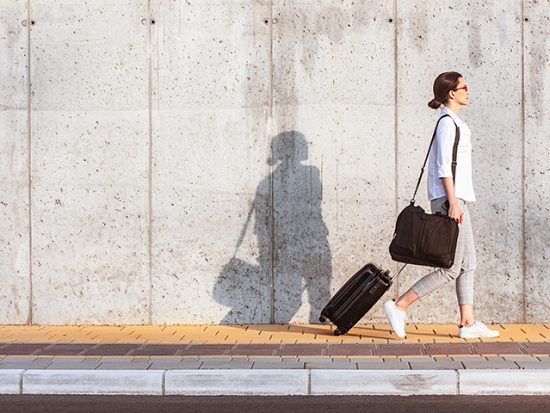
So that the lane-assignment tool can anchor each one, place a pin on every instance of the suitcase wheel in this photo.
(322, 319)
(339, 332)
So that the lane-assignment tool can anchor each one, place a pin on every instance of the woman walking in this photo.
(446, 196)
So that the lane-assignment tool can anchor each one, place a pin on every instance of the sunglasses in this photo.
(465, 87)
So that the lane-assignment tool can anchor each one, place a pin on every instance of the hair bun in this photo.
(434, 103)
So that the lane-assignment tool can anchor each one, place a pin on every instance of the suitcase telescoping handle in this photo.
(399, 272)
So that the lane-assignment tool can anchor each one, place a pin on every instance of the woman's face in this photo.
(460, 94)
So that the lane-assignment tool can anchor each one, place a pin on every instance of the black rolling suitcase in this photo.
(357, 297)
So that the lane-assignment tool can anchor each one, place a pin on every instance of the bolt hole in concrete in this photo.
(266, 21)
(390, 20)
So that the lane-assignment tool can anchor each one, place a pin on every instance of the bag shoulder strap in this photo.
(243, 230)
(455, 152)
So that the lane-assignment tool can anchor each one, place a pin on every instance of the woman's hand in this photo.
(455, 212)
(454, 209)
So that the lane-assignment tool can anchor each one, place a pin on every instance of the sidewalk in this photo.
(272, 359)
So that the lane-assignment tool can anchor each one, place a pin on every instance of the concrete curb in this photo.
(10, 381)
(276, 382)
(237, 382)
(149, 382)
(388, 382)
(499, 382)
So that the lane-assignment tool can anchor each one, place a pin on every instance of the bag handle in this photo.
(455, 152)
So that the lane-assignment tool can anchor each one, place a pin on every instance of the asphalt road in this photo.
(225, 404)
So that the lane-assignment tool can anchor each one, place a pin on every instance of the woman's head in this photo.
(289, 147)
(449, 86)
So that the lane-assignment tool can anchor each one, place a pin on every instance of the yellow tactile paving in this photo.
(257, 334)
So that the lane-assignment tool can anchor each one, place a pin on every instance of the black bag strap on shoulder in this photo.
(455, 152)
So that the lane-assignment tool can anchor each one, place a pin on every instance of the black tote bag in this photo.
(426, 239)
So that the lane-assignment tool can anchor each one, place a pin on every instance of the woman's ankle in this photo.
(399, 304)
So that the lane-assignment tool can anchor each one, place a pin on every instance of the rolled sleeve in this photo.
(445, 138)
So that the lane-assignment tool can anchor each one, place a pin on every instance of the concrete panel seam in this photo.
(522, 93)
(150, 167)
(272, 209)
(395, 116)
(29, 159)
(21, 381)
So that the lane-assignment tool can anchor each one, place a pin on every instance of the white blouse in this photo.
(441, 156)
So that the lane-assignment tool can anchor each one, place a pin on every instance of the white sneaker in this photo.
(396, 317)
(477, 330)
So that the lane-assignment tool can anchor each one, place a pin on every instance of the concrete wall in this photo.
(175, 161)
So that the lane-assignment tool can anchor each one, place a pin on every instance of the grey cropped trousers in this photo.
(464, 265)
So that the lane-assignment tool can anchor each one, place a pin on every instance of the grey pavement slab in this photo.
(277, 366)
(116, 365)
(383, 366)
(438, 365)
(73, 365)
(28, 363)
(330, 366)
(93, 358)
(485, 364)
(175, 366)
(12, 359)
(534, 364)
(206, 365)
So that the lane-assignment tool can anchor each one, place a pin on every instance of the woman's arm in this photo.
(454, 209)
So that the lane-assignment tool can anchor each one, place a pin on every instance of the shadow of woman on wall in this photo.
(293, 250)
